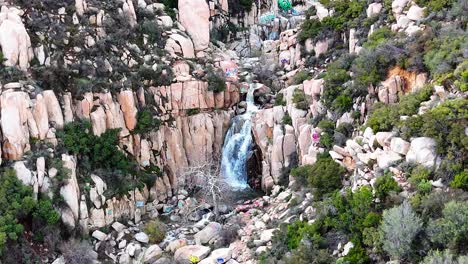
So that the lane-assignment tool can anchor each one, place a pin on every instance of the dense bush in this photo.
(460, 181)
(102, 154)
(445, 123)
(372, 65)
(146, 121)
(353, 212)
(418, 175)
(279, 100)
(216, 81)
(378, 37)
(444, 257)
(155, 230)
(300, 99)
(451, 230)
(287, 120)
(435, 5)
(384, 185)
(324, 176)
(18, 207)
(385, 117)
(336, 76)
(400, 225)
(445, 53)
(311, 28)
(301, 76)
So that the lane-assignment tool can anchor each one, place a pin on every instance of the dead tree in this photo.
(205, 180)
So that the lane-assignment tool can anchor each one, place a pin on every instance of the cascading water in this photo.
(237, 145)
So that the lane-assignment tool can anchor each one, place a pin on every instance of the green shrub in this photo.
(300, 99)
(435, 5)
(424, 187)
(444, 257)
(216, 81)
(101, 153)
(155, 230)
(445, 53)
(146, 122)
(287, 120)
(193, 111)
(461, 76)
(324, 176)
(327, 140)
(326, 125)
(378, 37)
(343, 103)
(301, 76)
(279, 100)
(311, 28)
(357, 255)
(450, 231)
(354, 212)
(400, 225)
(17, 207)
(385, 117)
(372, 65)
(444, 123)
(335, 78)
(169, 6)
(419, 174)
(300, 230)
(460, 181)
(384, 185)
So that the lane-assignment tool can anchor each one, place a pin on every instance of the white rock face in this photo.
(14, 39)
(142, 237)
(23, 173)
(399, 146)
(415, 13)
(71, 191)
(184, 253)
(422, 151)
(152, 254)
(99, 235)
(194, 15)
(386, 158)
(398, 6)
(374, 9)
(14, 122)
(212, 230)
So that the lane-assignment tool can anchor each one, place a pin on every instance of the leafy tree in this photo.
(324, 176)
(354, 212)
(450, 231)
(400, 225)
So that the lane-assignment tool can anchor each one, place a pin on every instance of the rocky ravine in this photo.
(197, 118)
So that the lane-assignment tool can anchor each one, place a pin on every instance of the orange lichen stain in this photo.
(410, 77)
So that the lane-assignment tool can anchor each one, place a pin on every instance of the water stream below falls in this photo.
(238, 144)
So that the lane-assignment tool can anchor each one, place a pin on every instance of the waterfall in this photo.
(237, 145)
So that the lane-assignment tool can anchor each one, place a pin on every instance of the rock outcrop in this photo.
(194, 15)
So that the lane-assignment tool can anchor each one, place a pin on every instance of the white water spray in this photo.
(237, 145)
